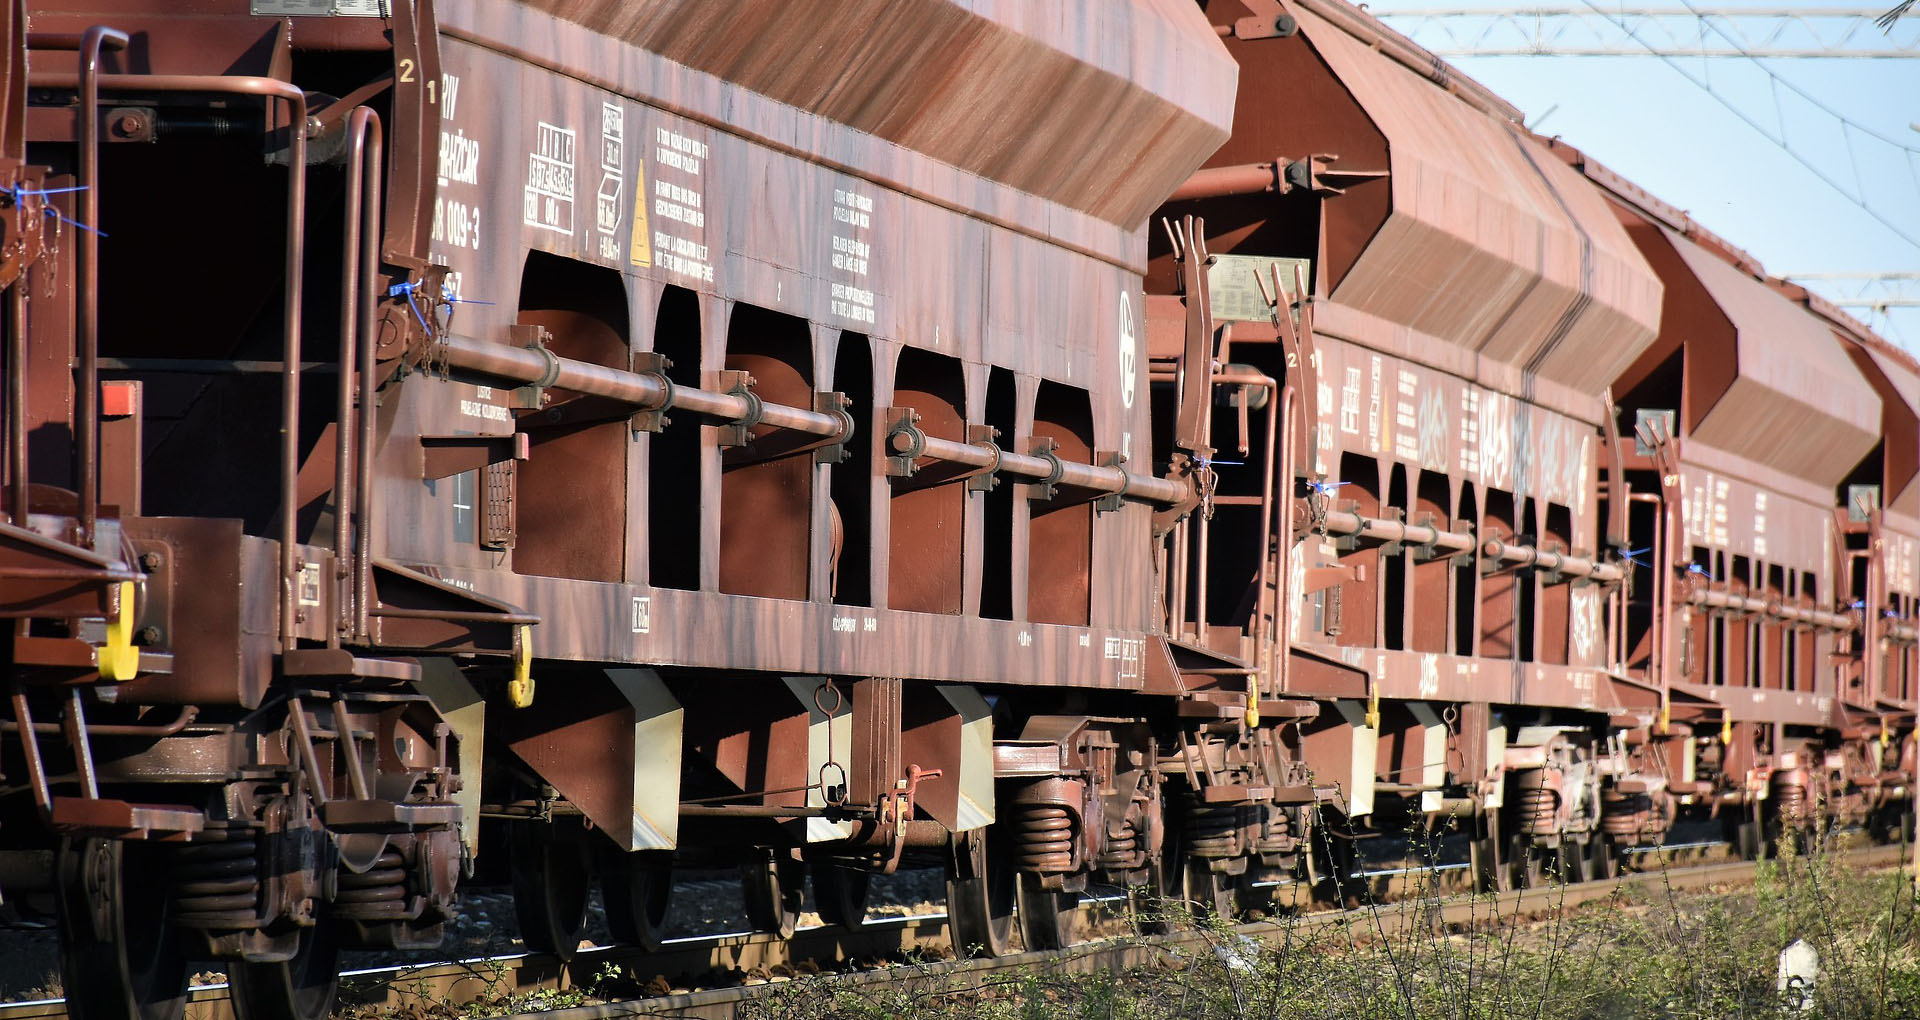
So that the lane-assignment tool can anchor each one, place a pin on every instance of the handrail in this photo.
(1283, 579)
(87, 313)
(370, 241)
(88, 45)
(270, 89)
(16, 410)
(353, 461)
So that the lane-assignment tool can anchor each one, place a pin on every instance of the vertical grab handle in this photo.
(87, 411)
(354, 423)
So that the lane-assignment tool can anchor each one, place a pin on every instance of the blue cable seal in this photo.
(20, 195)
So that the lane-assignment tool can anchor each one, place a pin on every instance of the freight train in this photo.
(1133, 442)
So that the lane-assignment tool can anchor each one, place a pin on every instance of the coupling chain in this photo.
(834, 794)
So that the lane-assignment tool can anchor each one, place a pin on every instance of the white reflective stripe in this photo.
(657, 724)
(466, 712)
(976, 755)
(1433, 764)
(1357, 784)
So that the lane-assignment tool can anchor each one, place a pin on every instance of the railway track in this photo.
(743, 968)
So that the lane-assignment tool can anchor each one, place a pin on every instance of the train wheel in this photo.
(1330, 861)
(1892, 823)
(841, 894)
(1210, 893)
(114, 942)
(637, 890)
(301, 988)
(1880, 825)
(1742, 833)
(552, 883)
(1574, 860)
(774, 889)
(1524, 861)
(1603, 860)
(1257, 900)
(980, 906)
(1483, 855)
(1048, 920)
(1153, 904)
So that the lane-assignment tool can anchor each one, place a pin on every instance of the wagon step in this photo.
(386, 815)
(77, 816)
(63, 653)
(323, 662)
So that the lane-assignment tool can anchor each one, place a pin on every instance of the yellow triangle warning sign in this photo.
(642, 246)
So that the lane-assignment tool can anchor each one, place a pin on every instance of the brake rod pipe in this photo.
(1746, 604)
(1381, 529)
(1439, 542)
(1534, 558)
(646, 391)
(908, 440)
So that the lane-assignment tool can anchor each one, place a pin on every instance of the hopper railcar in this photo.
(818, 438)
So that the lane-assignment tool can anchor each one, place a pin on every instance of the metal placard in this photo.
(319, 8)
(1862, 501)
(1233, 282)
(1652, 421)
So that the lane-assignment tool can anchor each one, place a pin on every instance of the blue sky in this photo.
(1646, 120)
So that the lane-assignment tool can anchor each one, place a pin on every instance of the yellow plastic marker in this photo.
(1726, 731)
(119, 660)
(1253, 702)
(1666, 717)
(520, 688)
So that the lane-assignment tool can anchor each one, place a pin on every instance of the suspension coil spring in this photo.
(378, 892)
(1044, 835)
(1122, 848)
(1627, 816)
(1213, 830)
(1536, 807)
(1789, 794)
(217, 883)
(1276, 835)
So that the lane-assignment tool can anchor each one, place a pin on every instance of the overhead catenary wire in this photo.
(1552, 27)
(1781, 139)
